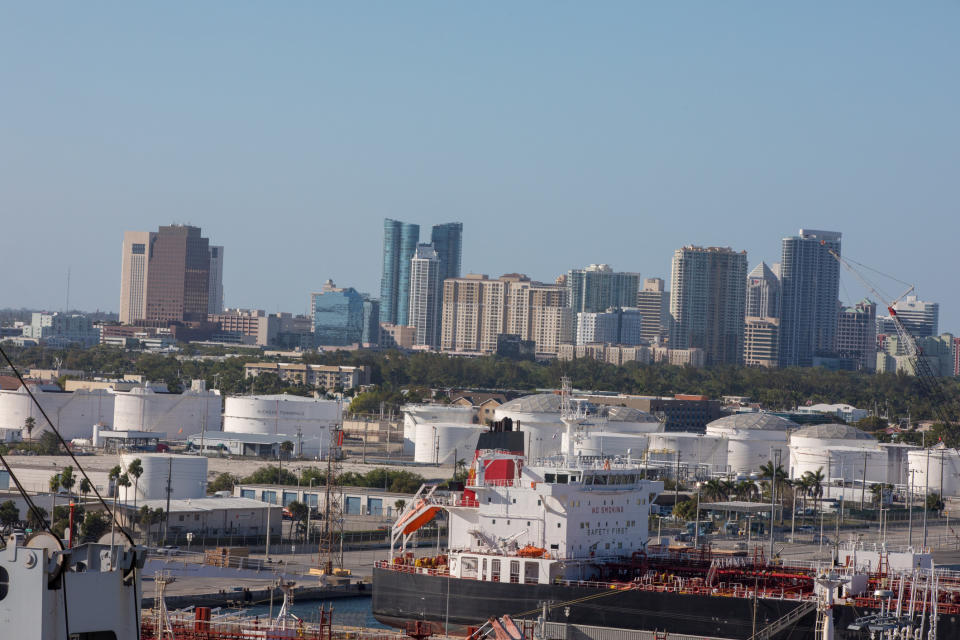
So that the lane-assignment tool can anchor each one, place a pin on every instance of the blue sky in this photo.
(559, 133)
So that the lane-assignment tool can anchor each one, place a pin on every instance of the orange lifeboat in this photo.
(531, 551)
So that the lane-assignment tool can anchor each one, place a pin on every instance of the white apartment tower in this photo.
(425, 296)
(921, 319)
(653, 302)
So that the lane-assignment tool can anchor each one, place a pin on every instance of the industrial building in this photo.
(215, 516)
(355, 501)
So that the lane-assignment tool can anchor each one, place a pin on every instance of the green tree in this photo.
(124, 481)
(286, 449)
(9, 514)
(271, 475)
(399, 504)
(812, 483)
(49, 444)
(67, 481)
(37, 518)
(746, 490)
(686, 510)
(934, 503)
(135, 470)
(223, 482)
(298, 513)
(29, 424)
(95, 524)
(85, 488)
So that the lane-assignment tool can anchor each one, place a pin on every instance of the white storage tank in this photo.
(607, 444)
(177, 415)
(840, 462)
(538, 418)
(752, 438)
(73, 412)
(439, 442)
(414, 414)
(693, 449)
(840, 449)
(187, 476)
(280, 413)
(898, 465)
(941, 465)
(629, 420)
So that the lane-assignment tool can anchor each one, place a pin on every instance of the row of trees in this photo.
(395, 375)
(386, 479)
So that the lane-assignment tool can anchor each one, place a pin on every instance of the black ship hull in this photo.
(399, 597)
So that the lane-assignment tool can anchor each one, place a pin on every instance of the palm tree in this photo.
(124, 481)
(85, 488)
(776, 478)
(286, 447)
(54, 484)
(746, 490)
(813, 482)
(29, 423)
(135, 469)
(713, 490)
(67, 480)
(114, 476)
(876, 490)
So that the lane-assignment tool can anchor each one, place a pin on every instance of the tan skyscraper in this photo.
(476, 310)
(165, 275)
(135, 266)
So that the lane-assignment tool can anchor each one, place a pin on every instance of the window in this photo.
(468, 568)
(483, 569)
(514, 571)
(531, 572)
(495, 570)
(138, 249)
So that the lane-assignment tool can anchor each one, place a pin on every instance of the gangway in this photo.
(780, 624)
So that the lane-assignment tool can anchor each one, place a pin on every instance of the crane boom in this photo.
(929, 384)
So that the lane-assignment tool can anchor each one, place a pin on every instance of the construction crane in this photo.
(929, 383)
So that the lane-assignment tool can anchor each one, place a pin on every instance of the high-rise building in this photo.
(371, 321)
(215, 286)
(707, 302)
(476, 310)
(763, 293)
(134, 273)
(810, 284)
(425, 295)
(857, 335)
(761, 342)
(447, 240)
(598, 287)
(614, 326)
(62, 329)
(938, 351)
(399, 244)
(337, 315)
(179, 276)
(921, 319)
(653, 302)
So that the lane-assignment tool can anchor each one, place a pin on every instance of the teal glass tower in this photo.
(399, 244)
(447, 240)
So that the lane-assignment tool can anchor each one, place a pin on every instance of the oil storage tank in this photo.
(176, 414)
(73, 413)
(414, 414)
(187, 476)
(444, 442)
(603, 443)
(280, 414)
(839, 451)
(629, 420)
(538, 417)
(751, 437)
(937, 468)
(690, 448)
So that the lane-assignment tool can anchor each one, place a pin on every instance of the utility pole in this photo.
(926, 492)
(775, 463)
(863, 484)
(910, 509)
(166, 524)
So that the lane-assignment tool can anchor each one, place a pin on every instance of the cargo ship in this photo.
(566, 540)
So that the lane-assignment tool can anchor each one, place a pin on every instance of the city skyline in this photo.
(692, 138)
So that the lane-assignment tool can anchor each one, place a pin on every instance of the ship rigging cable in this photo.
(63, 442)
